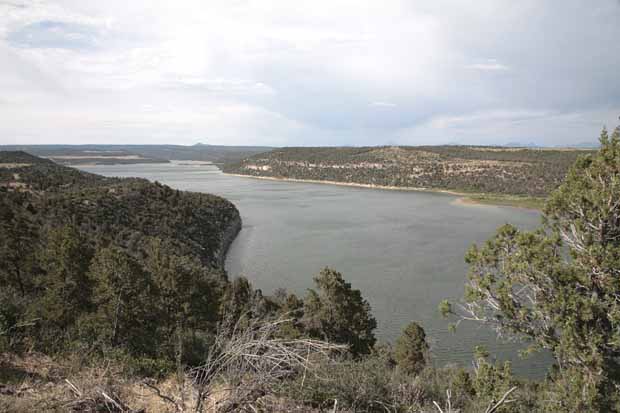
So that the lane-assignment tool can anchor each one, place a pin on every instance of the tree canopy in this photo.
(411, 349)
(558, 287)
(339, 313)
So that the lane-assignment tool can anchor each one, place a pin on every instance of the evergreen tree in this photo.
(338, 313)
(559, 286)
(411, 349)
(189, 294)
(17, 244)
(238, 299)
(13, 320)
(64, 285)
(289, 306)
(123, 297)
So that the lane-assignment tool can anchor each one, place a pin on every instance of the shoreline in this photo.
(228, 237)
(352, 184)
(465, 199)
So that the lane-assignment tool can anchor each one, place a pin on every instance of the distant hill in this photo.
(530, 172)
(585, 145)
(130, 154)
(580, 145)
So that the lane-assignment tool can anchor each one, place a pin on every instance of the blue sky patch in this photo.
(49, 34)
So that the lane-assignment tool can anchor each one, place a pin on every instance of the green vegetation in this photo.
(411, 350)
(508, 176)
(120, 280)
(507, 200)
(107, 263)
(338, 313)
(558, 286)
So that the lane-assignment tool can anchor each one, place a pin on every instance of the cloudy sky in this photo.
(308, 72)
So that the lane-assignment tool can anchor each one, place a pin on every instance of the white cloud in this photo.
(497, 127)
(490, 64)
(384, 104)
(281, 72)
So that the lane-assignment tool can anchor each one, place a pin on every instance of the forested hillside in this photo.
(497, 170)
(115, 211)
(119, 262)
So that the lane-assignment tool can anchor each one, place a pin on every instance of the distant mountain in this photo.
(131, 154)
(581, 145)
(521, 145)
(585, 145)
(198, 152)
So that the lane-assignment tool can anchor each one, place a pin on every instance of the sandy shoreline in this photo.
(464, 199)
(468, 202)
(351, 184)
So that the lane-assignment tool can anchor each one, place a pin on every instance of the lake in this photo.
(403, 249)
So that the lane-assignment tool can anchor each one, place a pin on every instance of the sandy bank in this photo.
(465, 199)
(352, 184)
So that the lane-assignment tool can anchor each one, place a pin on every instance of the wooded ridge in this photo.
(471, 169)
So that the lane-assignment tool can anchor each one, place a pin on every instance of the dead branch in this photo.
(252, 360)
(493, 407)
(161, 395)
(448, 403)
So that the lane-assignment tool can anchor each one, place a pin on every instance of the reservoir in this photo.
(403, 249)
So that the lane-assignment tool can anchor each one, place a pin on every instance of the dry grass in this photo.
(37, 383)
(240, 374)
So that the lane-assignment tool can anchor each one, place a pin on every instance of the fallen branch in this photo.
(162, 396)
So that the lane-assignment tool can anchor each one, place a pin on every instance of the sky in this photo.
(308, 73)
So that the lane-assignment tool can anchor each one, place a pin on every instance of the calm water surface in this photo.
(403, 250)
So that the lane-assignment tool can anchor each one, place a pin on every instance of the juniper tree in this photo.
(188, 295)
(411, 349)
(124, 300)
(559, 286)
(17, 244)
(65, 286)
(339, 313)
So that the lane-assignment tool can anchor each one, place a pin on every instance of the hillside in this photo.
(471, 169)
(130, 154)
(108, 263)
(113, 210)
